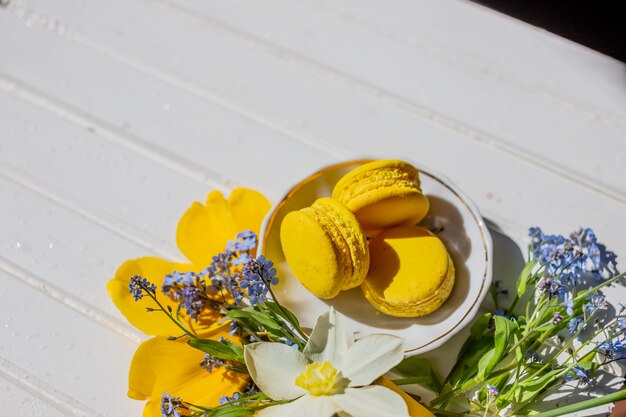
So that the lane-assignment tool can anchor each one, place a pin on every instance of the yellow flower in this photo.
(159, 364)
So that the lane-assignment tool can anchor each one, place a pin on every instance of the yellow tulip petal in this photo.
(161, 365)
(154, 270)
(415, 409)
(204, 230)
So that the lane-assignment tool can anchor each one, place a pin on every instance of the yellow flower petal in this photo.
(154, 270)
(415, 409)
(161, 365)
(204, 230)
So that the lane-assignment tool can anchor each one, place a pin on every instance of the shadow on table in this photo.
(508, 262)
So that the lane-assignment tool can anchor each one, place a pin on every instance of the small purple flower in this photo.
(614, 349)
(210, 362)
(234, 328)
(574, 324)
(233, 399)
(533, 356)
(170, 405)
(258, 274)
(193, 301)
(291, 344)
(544, 285)
(174, 283)
(557, 318)
(568, 304)
(576, 373)
(596, 302)
(245, 241)
(492, 391)
(138, 285)
(565, 258)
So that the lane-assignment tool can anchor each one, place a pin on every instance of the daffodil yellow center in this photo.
(319, 378)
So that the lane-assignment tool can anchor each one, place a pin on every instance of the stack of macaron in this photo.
(367, 235)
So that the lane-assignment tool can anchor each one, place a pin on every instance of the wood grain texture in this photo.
(116, 115)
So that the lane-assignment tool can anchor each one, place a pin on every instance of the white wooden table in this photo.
(116, 115)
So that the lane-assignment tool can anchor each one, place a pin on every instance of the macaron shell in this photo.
(325, 247)
(411, 273)
(311, 254)
(389, 185)
(409, 209)
(345, 231)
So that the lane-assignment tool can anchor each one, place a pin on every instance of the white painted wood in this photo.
(440, 148)
(473, 106)
(78, 363)
(19, 402)
(479, 40)
(115, 116)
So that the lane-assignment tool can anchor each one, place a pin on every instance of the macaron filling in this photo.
(357, 188)
(325, 247)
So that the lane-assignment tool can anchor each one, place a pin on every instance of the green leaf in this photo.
(264, 319)
(214, 348)
(531, 388)
(504, 328)
(236, 314)
(466, 367)
(232, 411)
(287, 315)
(421, 372)
(480, 325)
(235, 348)
(522, 280)
(519, 355)
(475, 341)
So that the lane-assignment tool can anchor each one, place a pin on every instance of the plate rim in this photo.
(444, 181)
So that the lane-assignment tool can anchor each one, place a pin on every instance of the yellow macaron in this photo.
(325, 247)
(411, 273)
(383, 193)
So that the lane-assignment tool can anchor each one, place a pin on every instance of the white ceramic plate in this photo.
(452, 216)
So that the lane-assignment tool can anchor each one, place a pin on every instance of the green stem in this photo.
(298, 331)
(583, 405)
(465, 387)
(600, 286)
(163, 309)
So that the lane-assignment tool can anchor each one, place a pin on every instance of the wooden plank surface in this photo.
(117, 115)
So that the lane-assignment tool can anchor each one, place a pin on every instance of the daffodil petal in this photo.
(205, 229)
(307, 406)
(274, 367)
(162, 365)
(415, 409)
(154, 270)
(372, 401)
(371, 357)
(331, 339)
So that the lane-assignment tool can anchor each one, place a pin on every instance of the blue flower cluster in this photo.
(577, 373)
(210, 362)
(566, 258)
(138, 285)
(566, 261)
(170, 406)
(258, 274)
(191, 290)
(226, 399)
(188, 289)
(243, 244)
(492, 390)
(223, 275)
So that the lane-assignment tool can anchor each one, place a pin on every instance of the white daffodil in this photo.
(332, 375)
